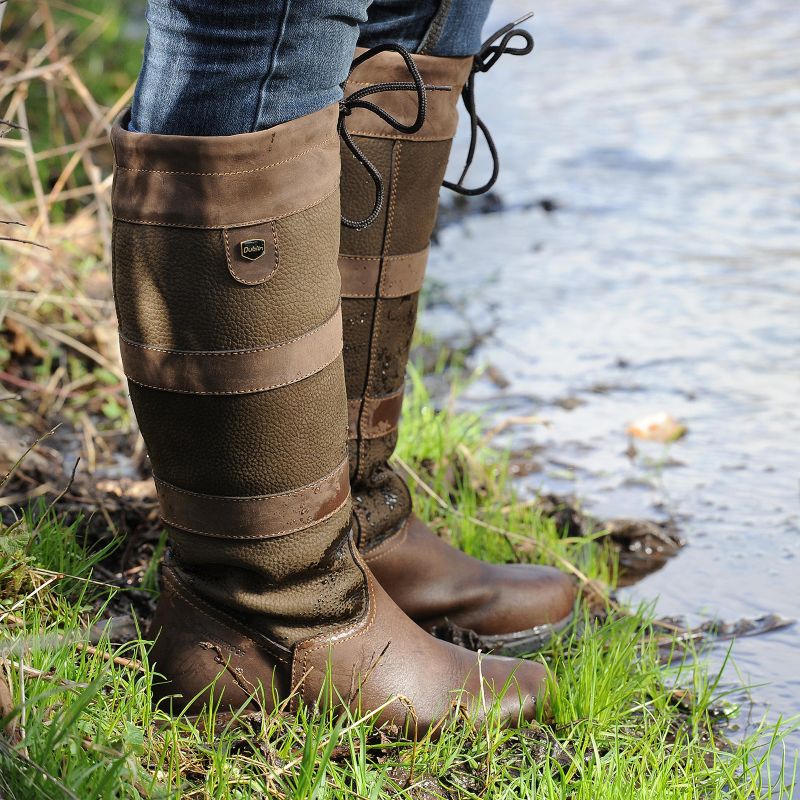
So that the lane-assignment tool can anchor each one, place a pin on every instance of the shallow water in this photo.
(666, 279)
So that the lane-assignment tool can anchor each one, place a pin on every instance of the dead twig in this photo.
(120, 661)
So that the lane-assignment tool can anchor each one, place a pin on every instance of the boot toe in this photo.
(521, 685)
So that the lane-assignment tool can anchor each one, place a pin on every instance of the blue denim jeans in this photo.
(220, 67)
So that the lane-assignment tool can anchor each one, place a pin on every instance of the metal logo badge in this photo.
(253, 249)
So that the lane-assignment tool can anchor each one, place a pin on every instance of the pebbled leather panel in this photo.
(417, 178)
(243, 445)
(173, 289)
(395, 319)
(287, 589)
(357, 318)
(358, 196)
(381, 500)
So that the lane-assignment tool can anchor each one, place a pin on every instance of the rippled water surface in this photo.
(666, 279)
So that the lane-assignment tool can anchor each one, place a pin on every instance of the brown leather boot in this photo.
(227, 295)
(512, 608)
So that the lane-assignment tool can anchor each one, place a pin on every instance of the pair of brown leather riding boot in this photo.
(266, 347)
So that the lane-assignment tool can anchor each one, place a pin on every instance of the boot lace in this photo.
(356, 100)
(486, 58)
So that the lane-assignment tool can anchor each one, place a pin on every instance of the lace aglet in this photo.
(522, 19)
(436, 88)
(507, 29)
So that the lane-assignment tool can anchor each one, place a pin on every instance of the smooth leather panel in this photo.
(373, 276)
(258, 517)
(373, 417)
(433, 583)
(224, 181)
(422, 681)
(441, 118)
(234, 371)
(196, 645)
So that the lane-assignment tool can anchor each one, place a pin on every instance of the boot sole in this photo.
(518, 643)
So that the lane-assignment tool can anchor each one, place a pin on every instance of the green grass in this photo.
(81, 723)
(86, 729)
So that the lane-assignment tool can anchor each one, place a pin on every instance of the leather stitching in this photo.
(376, 323)
(378, 434)
(233, 352)
(391, 211)
(257, 498)
(235, 172)
(358, 629)
(378, 260)
(399, 538)
(407, 137)
(253, 390)
(384, 258)
(257, 538)
(235, 225)
(328, 641)
(366, 405)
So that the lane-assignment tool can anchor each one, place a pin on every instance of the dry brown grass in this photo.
(59, 359)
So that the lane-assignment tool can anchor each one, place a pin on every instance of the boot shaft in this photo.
(227, 296)
(382, 269)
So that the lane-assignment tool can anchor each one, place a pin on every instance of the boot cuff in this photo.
(224, 181)
(441, 118)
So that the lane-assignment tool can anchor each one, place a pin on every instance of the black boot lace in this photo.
(486, 58)
(356, 100)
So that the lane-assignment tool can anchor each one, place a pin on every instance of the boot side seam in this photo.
(358, 629)
(179, 587)
(376, 320)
